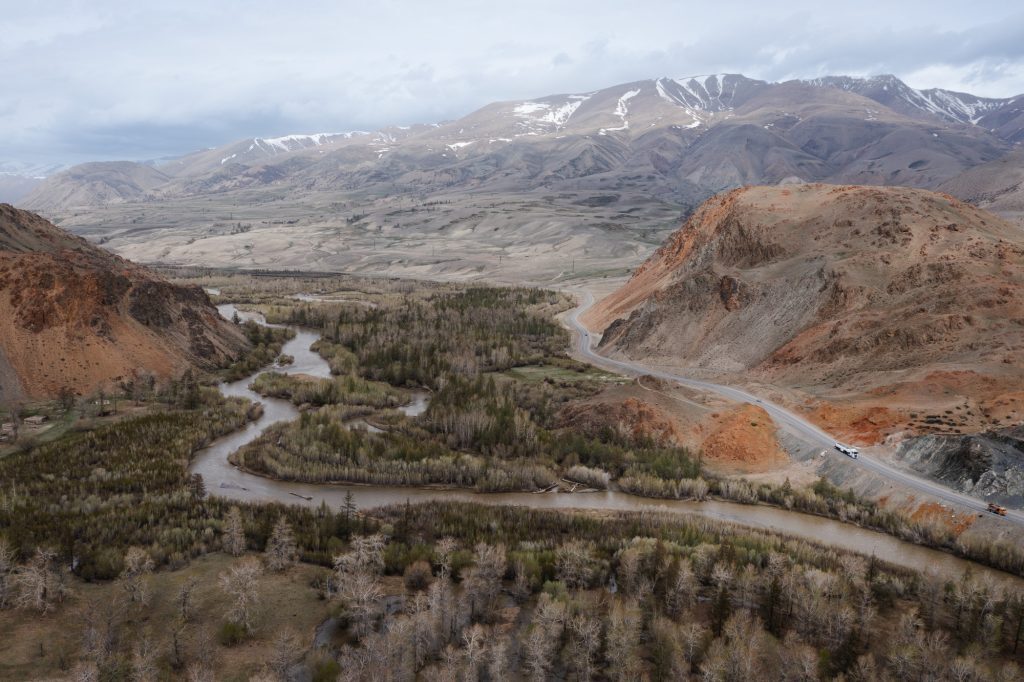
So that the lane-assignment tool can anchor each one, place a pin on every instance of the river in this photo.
(225, 480)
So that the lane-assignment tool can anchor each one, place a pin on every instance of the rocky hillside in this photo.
(73, 315)
(997, 186)
(95, 184)
(989, 465)
(831, 289)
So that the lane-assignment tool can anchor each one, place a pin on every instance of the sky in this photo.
(140, 79)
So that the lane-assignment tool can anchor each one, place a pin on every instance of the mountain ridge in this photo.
(693, 100)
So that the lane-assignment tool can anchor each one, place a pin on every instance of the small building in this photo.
(36, 420)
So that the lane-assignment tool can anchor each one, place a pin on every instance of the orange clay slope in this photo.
(75, 316)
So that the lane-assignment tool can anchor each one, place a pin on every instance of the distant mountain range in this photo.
(672, 141)
(695, 135)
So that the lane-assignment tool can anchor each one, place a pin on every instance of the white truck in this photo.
(847, 450)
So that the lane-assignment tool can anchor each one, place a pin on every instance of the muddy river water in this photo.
(225, 480)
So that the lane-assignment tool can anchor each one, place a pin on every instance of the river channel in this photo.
(225, 480)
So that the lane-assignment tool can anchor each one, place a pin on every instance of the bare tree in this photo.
(1009, 672)
(623, 640)
(86, 671)
(799, 661)
(584, 642)
(445, 548)
(241, 583)
(694, 635)
(144, 661)
(497, 663)
(137, 566)
(284, 654)
(7, 566)
(682, 593)
(666, 647)
(356, 574)
(365, 555)
(199, 671)
(185, 598)
(540, 653)
(475, 638)
(545, 636)
(233, 539)
(628, 570)
(40, 584)
(574, 564)
(281, 551)
(361, 595)
(483, 580)
(739, 654)
(521, 588)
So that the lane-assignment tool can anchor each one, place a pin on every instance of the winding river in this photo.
(225, 480)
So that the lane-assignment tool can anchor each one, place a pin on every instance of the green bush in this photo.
(231, 633)
(326, 670)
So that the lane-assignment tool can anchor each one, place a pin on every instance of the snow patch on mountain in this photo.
(701, 95)
(290, 143)
(540, 115)
(621, 110)
(952, 106)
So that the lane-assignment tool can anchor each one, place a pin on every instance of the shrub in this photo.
(326, 670)
(231, 633)
(417, 575)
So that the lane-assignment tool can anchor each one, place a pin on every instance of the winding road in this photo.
(227, 481)
(785, 419)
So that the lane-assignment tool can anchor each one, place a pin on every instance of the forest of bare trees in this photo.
(495, 593)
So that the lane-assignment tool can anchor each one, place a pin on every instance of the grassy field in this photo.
(557, 373)
(34, 646)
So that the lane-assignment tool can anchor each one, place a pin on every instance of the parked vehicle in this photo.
(847, 450)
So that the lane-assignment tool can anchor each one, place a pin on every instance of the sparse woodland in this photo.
(116, 565)
(266, 345)
(461, 591)
(490, 431)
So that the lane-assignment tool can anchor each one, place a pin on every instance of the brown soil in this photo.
(731, 438)
(743, 440)
(73, 315)
(635, 413)
(933, 512)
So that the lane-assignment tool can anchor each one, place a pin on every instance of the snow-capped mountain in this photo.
(889, 90)
(685, 137)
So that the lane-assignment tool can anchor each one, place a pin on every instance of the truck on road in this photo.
(847, 450)
(996, 509)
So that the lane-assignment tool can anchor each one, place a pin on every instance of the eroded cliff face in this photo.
(989, 465)
(73, 315)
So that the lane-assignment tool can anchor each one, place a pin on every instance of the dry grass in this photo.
(32, 645)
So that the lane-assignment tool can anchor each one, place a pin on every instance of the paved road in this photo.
(787, 420)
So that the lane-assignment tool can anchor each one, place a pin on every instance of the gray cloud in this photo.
(119, 79)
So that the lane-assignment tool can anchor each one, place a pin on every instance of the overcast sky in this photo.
(105, 79)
